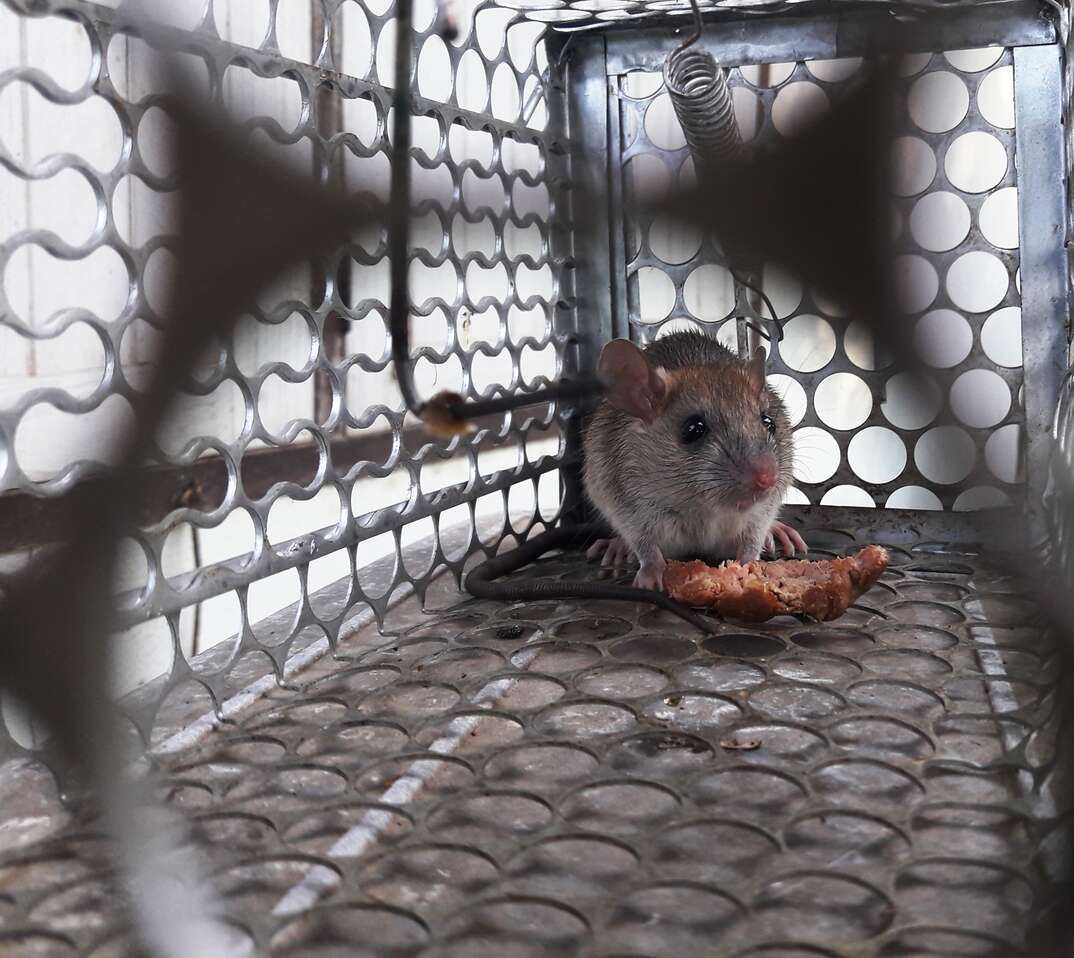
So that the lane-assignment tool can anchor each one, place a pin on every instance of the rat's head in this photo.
(711, 430)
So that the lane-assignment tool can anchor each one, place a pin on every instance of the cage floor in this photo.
(598, 779)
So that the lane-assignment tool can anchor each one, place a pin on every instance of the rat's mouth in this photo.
(747, 500)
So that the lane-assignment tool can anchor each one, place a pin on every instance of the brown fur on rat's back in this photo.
(758, 591)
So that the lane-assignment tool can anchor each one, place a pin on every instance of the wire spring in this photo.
(702, 101)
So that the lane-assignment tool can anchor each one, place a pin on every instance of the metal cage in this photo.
(375, 763)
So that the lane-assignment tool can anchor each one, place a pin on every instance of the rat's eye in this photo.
(769, 423)
(693, 429)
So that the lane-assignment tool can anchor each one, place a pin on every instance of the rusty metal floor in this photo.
(598, 779)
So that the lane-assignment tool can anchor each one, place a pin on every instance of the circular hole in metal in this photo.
(693, 710)
(980, 398)
(945, 455)
(860, 346)
(662, 125)
(640, 84)
(912, 401)
(760, 789)
(852, 496)
(1001, 337)
(834, 71)
(940, 221)
(975, 162)
(796, 703)
(843, 401)
(592, 629)
(792, 395)
(890, 696)
(913, 166)
(808, 343)
(938, 102)
(977, 281)
(798, 105)
(881, 737)
(943, 338)
(672, 241)
(748, 112)
(767, 75)
(645, 178)
(783, 290)
(434, 70)
(743, 645)
(995, 97)
(656, 294)
(910, 64)
(816, 455)
(709, 292)
(848, 909)
(905, 664)
(979, 498)
(843, 641)
(877, 454)
(618, 807)
(506, 99)
(998, 218)
(848, 838)
(916, 283)
(973, 61)
(1003, 453)
(913, 497)
(866, 783)
(471, 82)
(657, 649)
(585, 719)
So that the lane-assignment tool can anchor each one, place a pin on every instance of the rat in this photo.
(690, 452)
(689, 455)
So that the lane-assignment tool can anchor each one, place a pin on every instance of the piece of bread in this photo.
(757, 591)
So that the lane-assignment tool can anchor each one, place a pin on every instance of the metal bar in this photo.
(328, 107)
(778, 39)
(620, 313)
(1039, 156)
(579, 110)
(587, 118)
(27, 521)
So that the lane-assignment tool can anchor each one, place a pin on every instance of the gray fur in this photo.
(667, 500)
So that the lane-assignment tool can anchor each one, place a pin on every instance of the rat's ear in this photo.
(633, 384)
(756, 370)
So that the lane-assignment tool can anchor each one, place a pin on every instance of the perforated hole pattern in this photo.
(88, 204)
(865, 435)
(559, 778)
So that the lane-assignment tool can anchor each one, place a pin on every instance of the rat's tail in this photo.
(480, 581)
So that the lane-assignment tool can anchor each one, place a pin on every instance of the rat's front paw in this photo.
(611, 552)
(789, 540)
(651, 576)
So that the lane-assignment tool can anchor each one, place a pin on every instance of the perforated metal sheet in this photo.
(553, 779)
(863, 434)
(492, 311)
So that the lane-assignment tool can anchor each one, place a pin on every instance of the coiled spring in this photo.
(702, 99)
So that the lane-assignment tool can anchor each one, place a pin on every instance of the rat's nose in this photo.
(764, 475)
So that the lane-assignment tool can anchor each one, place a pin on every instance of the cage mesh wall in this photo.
(863, 435)
(289, 465)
